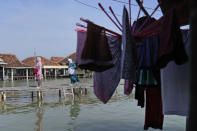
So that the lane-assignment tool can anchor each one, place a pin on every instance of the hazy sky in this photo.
(48, 25)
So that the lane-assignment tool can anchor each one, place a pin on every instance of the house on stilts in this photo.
(50, 68)
(11, 68)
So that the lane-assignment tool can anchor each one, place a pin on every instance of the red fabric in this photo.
(155, 28)
(171, 42)
(154, 114)
(35, 70)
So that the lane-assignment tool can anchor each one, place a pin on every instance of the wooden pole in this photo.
(3, 73)
(0, 96)
(4, 96)
(38, 95)
(60, 93)
(32, 96)
(64, 93)
(192, 119)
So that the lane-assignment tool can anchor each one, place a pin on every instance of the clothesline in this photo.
(137, 62)
(86, 21)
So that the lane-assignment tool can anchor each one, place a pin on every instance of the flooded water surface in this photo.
(84, 113)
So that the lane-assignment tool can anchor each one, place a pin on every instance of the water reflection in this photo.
(74, 110)
(40, 115)
(83, 113)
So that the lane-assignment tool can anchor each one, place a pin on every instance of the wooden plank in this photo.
(33, 88)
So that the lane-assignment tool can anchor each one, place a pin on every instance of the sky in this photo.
(48, 25)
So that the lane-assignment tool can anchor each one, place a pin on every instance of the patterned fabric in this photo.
(71, 71)
(105, 82)
(71, 68)
(128, 65)
(81, 37)
(38, 66)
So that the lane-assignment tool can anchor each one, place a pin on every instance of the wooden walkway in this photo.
(66, 90)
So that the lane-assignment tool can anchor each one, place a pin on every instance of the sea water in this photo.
(84, 113)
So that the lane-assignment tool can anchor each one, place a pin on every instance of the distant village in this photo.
(11, 68)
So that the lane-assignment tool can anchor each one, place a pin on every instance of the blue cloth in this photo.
(73, 65)
(74, 78)
(146, 77)
(147, 53)
(147, 49)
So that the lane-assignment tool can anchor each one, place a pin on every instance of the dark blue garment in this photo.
(147, 54)
(147, 49)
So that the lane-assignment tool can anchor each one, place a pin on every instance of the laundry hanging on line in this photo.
(152, 55)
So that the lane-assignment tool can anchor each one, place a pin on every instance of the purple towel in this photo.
(105, 82)
(81, 37)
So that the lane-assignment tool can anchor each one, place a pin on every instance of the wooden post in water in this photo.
(4, 96)
(86, 92)
(64, 93)
(3, 73)
(59, 93)
(72, 91)
(39, 95)
(32, 96)
(0, 96)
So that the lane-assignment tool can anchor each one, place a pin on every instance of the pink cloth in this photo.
(38, 66)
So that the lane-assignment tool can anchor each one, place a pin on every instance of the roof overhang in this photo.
(19, 67)
(55, 67)
(2, 63)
